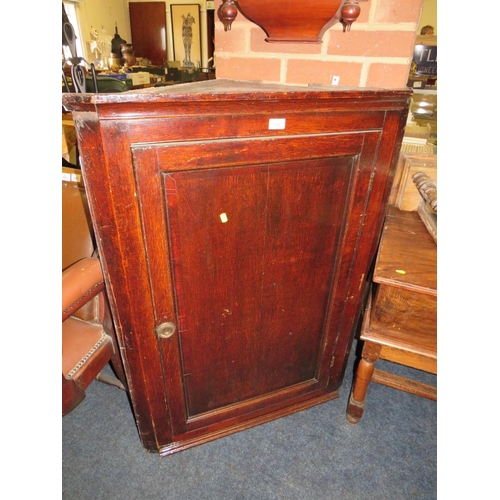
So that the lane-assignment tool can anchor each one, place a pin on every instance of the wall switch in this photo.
(335, 80)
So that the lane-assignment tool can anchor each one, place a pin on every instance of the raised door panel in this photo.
(245, 254)
(253, 246)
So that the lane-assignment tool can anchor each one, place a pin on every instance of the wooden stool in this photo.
(400, 321)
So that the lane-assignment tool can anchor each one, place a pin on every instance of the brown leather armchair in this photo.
(88, 337)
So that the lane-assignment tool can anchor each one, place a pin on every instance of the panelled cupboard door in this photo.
(248, 271)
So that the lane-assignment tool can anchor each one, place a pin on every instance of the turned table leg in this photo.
(364, 373)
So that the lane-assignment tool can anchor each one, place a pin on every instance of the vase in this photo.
(128, 54)
(114, 62)
(116, 43)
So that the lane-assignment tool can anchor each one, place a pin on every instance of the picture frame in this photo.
(186, 34)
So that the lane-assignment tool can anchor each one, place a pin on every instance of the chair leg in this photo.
(110, 380)
(117, 365)
(364, 373)
(116, 360)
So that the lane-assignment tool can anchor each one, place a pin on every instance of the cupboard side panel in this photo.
(346, 272)
(385, 160)
(106, 169)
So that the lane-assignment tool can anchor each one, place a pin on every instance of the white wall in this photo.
(429, 15)
(102, 14)
(94, 14)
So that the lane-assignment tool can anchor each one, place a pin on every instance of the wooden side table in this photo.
(400, 321)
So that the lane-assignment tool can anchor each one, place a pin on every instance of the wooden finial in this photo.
(227, 13)
(350, 12)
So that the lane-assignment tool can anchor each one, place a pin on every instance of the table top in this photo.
(407, 255)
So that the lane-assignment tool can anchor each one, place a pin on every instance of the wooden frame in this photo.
(404, 193)
(186, 34)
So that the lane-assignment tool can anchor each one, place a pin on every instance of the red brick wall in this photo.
(376, 52)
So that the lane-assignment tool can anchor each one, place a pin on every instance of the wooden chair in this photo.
(88, 338)
(399, 324)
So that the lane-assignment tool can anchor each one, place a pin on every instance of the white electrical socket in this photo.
(335, 80)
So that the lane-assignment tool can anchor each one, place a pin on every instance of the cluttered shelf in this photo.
(422, 79)
(111, 64)
(424, 111)
(137, 77)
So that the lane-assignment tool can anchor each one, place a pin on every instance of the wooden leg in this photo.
(364, 373)
(116, 360)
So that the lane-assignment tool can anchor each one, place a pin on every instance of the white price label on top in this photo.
(277, 123)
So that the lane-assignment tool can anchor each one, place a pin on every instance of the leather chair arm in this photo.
(80, 282)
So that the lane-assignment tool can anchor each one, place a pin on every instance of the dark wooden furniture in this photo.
(297, 21)
(236, 223)
(400, 321)
(149, 30)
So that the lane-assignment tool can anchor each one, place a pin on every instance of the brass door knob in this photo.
(165, 330)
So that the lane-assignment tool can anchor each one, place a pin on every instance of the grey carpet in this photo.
(391, 454)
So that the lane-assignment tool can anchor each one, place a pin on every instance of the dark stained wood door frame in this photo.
(219, 155)
(149, 30)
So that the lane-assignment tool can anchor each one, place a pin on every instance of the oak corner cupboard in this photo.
(236, 223)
